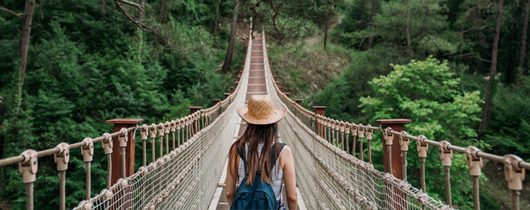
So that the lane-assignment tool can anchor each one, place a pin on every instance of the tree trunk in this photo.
(162, 11)
(361, 22)
(230, 50)
(140, 32)
(23, 51)
(326, 29)
(408, 25)
(374, 10)
(274, 22)
(522, 51)
(489, 94)
(424, 19)
(216, 17)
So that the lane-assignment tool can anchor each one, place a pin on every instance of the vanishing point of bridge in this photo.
(186, 164)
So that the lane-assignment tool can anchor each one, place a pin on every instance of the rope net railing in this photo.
(184, 169)
(330, 177)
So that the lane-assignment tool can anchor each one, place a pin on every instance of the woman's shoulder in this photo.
(286, 152)
(286, 148)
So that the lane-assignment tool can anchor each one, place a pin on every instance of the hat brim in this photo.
(279, 113)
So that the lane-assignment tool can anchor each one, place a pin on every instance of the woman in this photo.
(260, 142)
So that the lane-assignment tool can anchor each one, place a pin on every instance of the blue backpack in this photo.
(259, 195)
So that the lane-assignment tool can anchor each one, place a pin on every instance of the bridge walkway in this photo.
(256, 86)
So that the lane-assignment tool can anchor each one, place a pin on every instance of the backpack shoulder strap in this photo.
(275, 156)
(243, 155)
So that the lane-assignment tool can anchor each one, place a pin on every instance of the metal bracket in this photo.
(107, 143)
(28, 168)
(87, 150)
(513, 173)
(474, 163)
(446, 155)
(62, 157)
(369, 132)
(153, 132)
(422, 146)
(144, 132)
(389, 137)
(404, 141)
(360, 130)
(123, 137)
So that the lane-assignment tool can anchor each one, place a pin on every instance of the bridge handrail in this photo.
(514, 164)
(194, 125)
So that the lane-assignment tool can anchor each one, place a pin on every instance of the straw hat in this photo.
(260, 111)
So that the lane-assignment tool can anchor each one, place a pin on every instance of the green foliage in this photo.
(87, 64)
(426, 92)
(309, 68)
(342, 99)
(509, 129)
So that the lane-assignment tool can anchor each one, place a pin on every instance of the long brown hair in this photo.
(254, 135)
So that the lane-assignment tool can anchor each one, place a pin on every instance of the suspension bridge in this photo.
(189, 157)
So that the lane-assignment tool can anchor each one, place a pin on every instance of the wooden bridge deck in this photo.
(256, 86)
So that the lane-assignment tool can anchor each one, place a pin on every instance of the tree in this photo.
(361, 19)
(489, 95)
(522, 50)
(426, 93)
(372, 24)
(27, 18)
(230, 49)
(326, 25)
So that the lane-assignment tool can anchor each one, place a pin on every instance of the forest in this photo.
(457, 68)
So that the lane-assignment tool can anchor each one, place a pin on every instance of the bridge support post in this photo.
(216, 101)
(299, 101)
(320, 110)
(298, 114)
(117, 165)
(394, 164)
(287, 94)
(194, 109)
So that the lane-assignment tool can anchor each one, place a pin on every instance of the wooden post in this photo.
(396, 125)
(120, 123)
(216, 101)
(231, 89)
(287, 94)
(226, 95)
(237, 83)
(320, 110)
(281, 88)
(398, 198)
(299, 101)
(194, 109)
